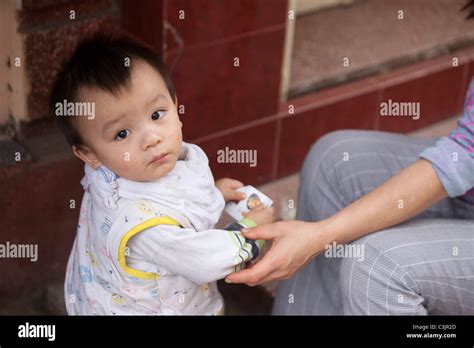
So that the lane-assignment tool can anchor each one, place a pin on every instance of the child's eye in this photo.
(157, 115)
(122, 134)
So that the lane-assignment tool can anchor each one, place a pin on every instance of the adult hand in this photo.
(294, 244)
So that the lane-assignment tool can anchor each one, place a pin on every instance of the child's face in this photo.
(132, 128)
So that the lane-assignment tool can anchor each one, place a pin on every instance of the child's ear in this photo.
(87, 155)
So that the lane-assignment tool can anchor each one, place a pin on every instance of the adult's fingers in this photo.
(269, 277)
(277, 274)
(265, 232)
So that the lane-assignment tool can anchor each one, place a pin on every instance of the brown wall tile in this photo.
(144, 22)
(438, 93)
(301, 130)
(35, 210)
(216, 95)
(210, 20)
(259, 138)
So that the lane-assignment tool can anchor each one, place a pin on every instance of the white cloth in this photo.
(183, 259)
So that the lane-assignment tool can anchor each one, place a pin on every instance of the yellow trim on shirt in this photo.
(160, 220)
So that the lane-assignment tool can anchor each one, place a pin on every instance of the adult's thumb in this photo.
(259, 232)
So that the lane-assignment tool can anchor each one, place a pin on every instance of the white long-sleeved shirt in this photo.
(118, 265)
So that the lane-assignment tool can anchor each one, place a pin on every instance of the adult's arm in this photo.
(445, 169)
(403, 196)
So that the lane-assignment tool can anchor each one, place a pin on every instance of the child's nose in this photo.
(151, 139)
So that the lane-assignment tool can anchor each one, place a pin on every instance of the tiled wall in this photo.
(225, 104)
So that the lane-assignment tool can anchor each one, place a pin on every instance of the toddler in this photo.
(145, 241)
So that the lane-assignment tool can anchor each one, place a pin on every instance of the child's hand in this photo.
(261, 214)
(229, 187)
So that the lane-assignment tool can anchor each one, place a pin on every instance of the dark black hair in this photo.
(470, 6)
(100, 61)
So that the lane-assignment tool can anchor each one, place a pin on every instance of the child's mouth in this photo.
(160, 159)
